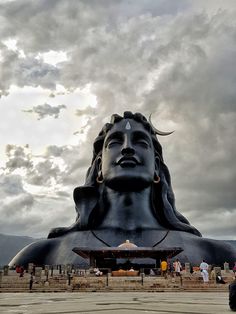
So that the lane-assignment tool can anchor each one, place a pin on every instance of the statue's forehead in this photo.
(127, 126)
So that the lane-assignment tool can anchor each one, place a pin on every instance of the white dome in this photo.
(127, 245)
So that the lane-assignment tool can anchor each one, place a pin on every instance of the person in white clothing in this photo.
(177, 267)
(204, 271)
(98, 272)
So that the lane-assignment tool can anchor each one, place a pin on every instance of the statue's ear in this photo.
(85, 198)
(99, 163)
(157, 164)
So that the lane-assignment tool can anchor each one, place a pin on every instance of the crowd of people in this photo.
(173, 269)
(207, 271)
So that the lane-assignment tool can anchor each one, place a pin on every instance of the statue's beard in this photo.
(127, 183)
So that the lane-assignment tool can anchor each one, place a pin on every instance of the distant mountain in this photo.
(11, 245)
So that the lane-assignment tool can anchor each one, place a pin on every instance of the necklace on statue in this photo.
(108, 245)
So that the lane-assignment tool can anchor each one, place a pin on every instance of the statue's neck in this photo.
(129, 210)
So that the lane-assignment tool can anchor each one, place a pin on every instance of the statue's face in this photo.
(128, 161)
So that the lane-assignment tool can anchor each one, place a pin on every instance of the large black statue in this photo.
(127, 195)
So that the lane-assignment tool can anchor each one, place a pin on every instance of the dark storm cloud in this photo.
(46, 110)
(11, 185)
(25, 71)
(22, 202)
(59, 23)
(43, 173)
(27, 212)
(90, 113)
(18, 157)
(87, 111)
(54, 150)
(63, 194)
(76, 161)
(44, 170)
(88, 26)
(16, 203)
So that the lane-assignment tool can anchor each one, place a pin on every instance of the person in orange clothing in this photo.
(164, 267)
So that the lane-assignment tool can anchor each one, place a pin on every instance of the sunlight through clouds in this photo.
(53, 57)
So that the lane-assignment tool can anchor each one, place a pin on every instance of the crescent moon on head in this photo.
(158, 131)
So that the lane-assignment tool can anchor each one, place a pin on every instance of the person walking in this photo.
(234, 268)
(177, 267)
(170, 268)
(31, 281)
(232, 295)
(22, 271)
(204, 271)
(164, 266)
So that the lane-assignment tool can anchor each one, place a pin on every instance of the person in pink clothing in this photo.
(234, 268)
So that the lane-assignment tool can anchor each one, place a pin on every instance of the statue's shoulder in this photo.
(216, 251)
(221, 245)
(34, 252)
(52, 251)
(198, 248)
(205, 243)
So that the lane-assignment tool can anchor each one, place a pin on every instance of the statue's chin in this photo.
(127, 183)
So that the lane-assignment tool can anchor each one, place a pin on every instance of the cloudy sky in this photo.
(66, 66)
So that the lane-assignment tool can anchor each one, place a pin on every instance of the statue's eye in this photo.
(142, 142)
(114, 142)
(141, 139)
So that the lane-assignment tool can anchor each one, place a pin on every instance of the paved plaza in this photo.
(110, 302)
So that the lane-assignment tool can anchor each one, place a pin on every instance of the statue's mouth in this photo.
(126, 162)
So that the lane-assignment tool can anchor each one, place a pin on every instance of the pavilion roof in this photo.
(132, 252)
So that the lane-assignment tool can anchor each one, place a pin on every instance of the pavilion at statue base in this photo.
(111, 257)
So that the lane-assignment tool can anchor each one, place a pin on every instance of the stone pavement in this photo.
(111, 303)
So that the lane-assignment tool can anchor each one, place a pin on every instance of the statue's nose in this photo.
(127, 151)
(127, 148)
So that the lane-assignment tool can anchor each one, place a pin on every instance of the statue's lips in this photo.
(126, 162)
